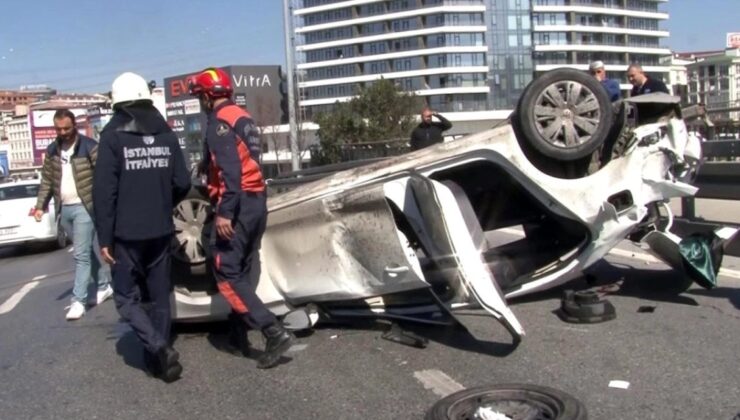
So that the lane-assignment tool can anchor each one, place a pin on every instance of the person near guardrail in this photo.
(67, 176)
(598, 70)
(237, 191)
(429, 132)
(140, 177)
(641, 83)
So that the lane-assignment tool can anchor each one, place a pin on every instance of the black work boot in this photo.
(278, 341)
(169, 368)
(238, 339)
(151, 364)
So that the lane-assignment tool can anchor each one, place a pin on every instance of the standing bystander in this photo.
(641, 83)
(598, 70)
(67, 175)
(429, 132)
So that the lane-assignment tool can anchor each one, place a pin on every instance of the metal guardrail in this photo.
(719, 175)
(718, 178)
(721, 149)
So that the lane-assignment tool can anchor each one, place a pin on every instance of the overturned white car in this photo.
(416, 237)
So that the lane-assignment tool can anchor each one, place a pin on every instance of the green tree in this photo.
(378, 113)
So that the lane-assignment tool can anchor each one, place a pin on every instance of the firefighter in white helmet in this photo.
(140, 177)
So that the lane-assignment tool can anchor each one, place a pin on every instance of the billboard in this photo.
(259, 89)
(4, 165)
(97, 118)
(43, 132)
(733, 40)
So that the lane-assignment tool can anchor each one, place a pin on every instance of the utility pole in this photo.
(289, 62)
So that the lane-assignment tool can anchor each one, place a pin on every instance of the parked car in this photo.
(424, 235)
(17, 224)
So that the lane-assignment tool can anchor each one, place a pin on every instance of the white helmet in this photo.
(130, 87)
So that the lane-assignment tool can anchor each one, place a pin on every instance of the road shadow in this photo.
(655, 284)
(217, 334)
(131, 351)
(26, 250)
(453, 335)
(729, 293)
(67, 294)
(606, 278)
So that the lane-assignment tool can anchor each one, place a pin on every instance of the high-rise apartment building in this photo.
(618, 32)
(464, 55)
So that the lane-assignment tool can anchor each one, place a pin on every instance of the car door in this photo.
(343, 245)
(435, 210)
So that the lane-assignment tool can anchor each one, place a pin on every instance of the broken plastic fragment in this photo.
(619, 384)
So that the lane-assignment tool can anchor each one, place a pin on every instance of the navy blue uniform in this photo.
(140, 177)
(650, 86)
(237, 192)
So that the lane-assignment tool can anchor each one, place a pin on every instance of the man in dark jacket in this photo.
(140, 177)
(429, 132)
(237, 191)
(641, 83)
(67, 176)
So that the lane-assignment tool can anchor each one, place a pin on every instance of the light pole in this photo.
(288, 26)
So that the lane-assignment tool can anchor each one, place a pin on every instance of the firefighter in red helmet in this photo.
(237, 191)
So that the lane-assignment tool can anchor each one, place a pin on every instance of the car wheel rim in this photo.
(189, 217)
(493, 405)
(567, 114)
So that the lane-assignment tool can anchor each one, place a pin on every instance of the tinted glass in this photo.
(18, 191)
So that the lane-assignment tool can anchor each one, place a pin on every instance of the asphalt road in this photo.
(681, 359)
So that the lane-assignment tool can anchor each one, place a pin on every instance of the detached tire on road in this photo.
(564, 115)
(515, 401)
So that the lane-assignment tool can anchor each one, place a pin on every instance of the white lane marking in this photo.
(619, 384)
(41, 277)
(70, 249)
(16, 298)
(438, 382)
(641, 256)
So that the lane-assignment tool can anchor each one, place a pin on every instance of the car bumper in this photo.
(24, 239)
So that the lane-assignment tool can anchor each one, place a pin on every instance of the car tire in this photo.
(189, 249)
(564, 115)
(511, 400)
(62, 238)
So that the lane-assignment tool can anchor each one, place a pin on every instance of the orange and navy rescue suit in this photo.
(237, 192)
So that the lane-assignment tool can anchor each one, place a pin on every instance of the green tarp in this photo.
(702, 257)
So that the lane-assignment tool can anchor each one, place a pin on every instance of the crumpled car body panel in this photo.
(429, 221)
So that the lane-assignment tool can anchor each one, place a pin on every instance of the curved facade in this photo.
(574, 33)
(434, 48)
(463, 55)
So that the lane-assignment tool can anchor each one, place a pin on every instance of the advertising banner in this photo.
(43, 132)
(733, 40)
(4, 166)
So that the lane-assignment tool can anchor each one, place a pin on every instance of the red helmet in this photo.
(212, 81)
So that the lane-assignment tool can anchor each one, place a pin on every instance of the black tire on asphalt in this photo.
(557, 405)
(569, 101)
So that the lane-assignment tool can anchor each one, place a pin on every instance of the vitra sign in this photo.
(259, 89)
(249, 80)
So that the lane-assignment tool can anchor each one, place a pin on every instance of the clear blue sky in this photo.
(81, 45)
